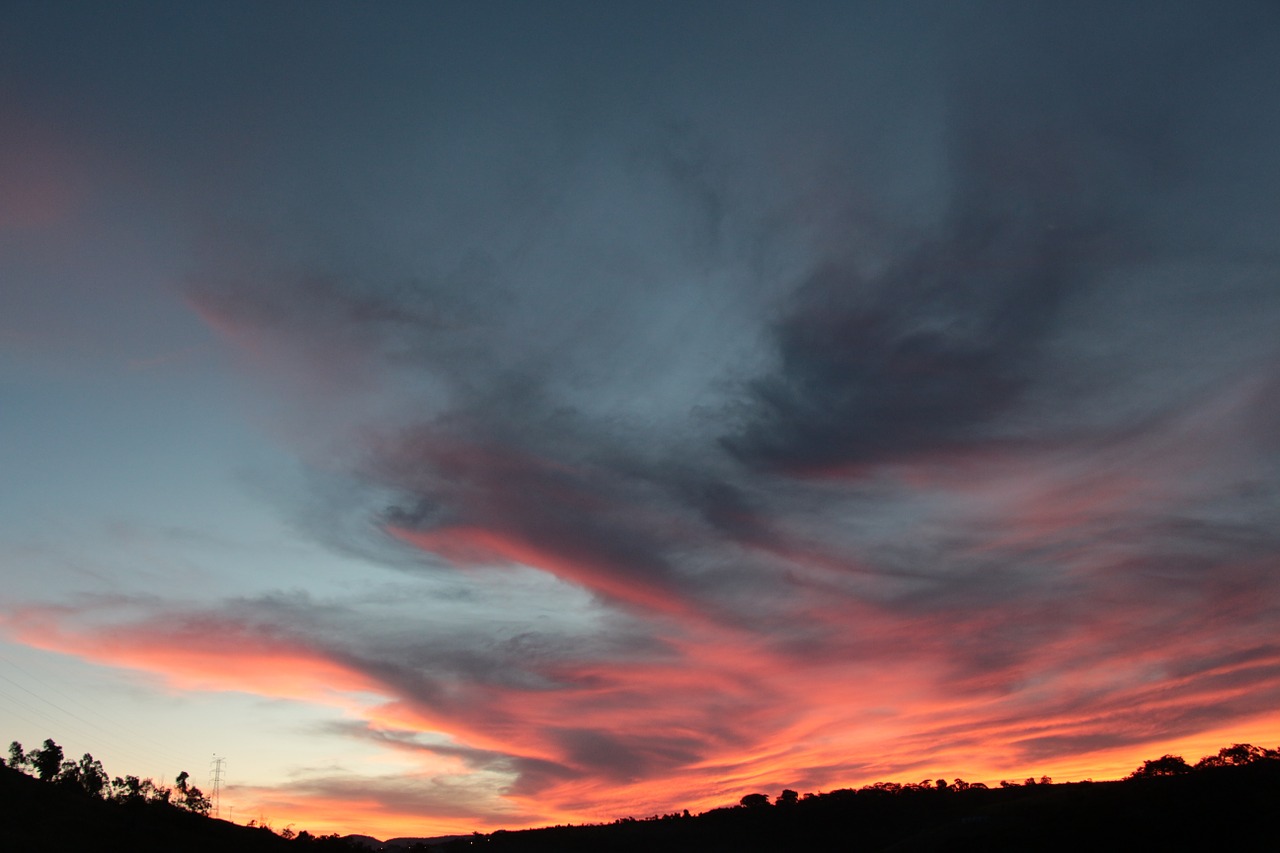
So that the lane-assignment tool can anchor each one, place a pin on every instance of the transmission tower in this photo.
(215, 773)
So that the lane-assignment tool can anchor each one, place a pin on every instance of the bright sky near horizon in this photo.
(474, 415)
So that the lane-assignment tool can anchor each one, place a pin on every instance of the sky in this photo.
(461, 416)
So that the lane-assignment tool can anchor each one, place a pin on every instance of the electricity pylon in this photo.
(216, 775)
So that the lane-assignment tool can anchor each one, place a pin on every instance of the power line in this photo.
(125, 731)
(121, 736)
(57, 725)
(23, 716)
(54, 705)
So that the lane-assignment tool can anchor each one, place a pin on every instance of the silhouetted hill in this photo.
(1165, 805)
(39, 817)
(1223, 808)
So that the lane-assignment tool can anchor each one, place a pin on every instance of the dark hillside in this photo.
(1221, 808)
(1165, 805)
(39, 817)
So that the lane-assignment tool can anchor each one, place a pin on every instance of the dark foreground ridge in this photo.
(1224, 802)
(1226, 808)
(39, 817)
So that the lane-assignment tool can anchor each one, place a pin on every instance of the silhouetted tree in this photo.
(1238, 754)
(47, 761)
(17, 757)
(91, 776)
(131, 789)
(190, 797)
(754, 801)
(883, 787)
(127, 790)
(1167, 765)
(155, 793)
(788, 798)
(1242, 753)
(68, 774)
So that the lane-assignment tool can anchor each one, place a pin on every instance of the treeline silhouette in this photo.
(52, 803)
(87, 775)
(1223, 801)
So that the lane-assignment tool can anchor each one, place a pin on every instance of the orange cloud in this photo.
(719, 710)
(192, 659)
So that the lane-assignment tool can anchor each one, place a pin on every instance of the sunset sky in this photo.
(463, 416)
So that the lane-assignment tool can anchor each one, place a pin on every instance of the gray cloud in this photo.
(770, 349)
(616, 351)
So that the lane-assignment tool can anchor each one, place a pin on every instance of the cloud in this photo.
(402, 804)
(868, 376)
(1010, 675)
(934, 339)
(962, 578)
(797, 423)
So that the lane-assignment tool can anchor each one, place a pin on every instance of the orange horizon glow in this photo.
(809, 729)
(321, 815)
